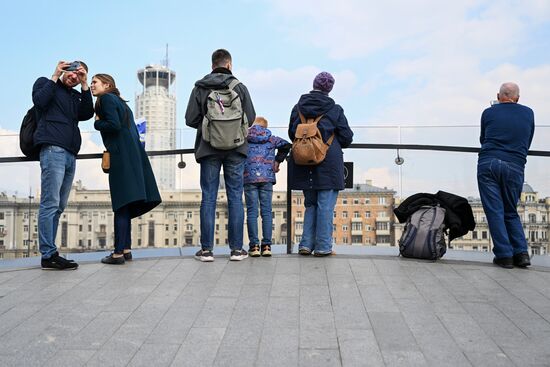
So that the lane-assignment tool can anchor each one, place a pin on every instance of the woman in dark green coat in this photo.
(131, 180)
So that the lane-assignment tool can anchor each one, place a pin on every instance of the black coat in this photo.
(60, 109)
(329, 174)
(131, 179)
(458, 212)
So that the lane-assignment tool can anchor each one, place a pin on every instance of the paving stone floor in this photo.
(280, 311)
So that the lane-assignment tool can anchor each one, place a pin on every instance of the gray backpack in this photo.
(225, 125)
(424, 234)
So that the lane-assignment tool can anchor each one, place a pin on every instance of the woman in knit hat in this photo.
(320, 183)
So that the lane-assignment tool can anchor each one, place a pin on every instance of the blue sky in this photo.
(396, 63)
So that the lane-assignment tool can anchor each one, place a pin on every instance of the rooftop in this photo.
(355, 309)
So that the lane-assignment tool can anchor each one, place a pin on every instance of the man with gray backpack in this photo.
(221, 110)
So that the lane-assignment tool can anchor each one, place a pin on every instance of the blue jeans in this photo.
(123, 234)
(58, 167)
(262, 193)
(233, 170)
(317, 233)
(500, 184)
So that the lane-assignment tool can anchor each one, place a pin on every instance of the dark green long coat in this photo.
(131, 179)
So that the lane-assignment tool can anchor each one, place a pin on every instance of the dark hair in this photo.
(107, 79)
(83, 64)
(220, 58)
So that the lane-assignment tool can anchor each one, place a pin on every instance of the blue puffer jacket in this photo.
(329, 174)
(60, 108)
(261, 155)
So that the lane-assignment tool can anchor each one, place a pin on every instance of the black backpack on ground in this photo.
(424, 234)
(26, 134)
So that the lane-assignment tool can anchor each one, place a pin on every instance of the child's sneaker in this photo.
(266, 250)
(204, 256)
(254, 251)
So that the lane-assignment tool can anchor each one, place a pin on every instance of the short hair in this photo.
(509, 90)
(83, 64)
(220, 58)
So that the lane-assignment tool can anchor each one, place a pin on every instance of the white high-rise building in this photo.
(157, 104)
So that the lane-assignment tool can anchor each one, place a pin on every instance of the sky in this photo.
(415, 72)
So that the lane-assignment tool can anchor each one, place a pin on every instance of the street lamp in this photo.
(29, 240)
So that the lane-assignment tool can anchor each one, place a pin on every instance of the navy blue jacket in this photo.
(507, 130)
(328, 175)
(60, 109)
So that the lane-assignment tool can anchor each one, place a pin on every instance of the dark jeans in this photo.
(233, 170)
(259, 193)
(500, 184)
(123, 236)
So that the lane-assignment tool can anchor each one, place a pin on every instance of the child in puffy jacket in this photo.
(259, 178)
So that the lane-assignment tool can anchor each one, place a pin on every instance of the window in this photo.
(334, 214)
(382, 200)
(167, 227)
(355, 201)
(344, 214)
(484, 235)
(89, 227)
(532, 218)
(175, 227)
(356, 239)
(357, 226)
(217, 215)
(25, 228)
(344, 227)
(344, 240)
(367, 201)
(356, 215)
(166, 242)
(189, 215)
(344, 201)
(474, 235)
(1, 215)
(298, 214)
(382, 215)
(189, 227)
(80, 228)
(175, 241)
(217, 227)
(381, 226)
(367, 214)
(151, 234)
(382, 239)
(299, 226)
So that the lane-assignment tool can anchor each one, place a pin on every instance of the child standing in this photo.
(259, 178)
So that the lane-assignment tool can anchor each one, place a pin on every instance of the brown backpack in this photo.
(308, 147)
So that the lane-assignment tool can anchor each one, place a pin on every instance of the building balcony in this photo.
(382, 232)
(356, 232)
(356, 220)
(382, 219)
(299, 219)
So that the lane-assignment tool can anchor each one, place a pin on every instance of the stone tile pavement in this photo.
(281, 311)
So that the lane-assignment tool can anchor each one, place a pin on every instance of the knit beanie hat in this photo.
(323, 82)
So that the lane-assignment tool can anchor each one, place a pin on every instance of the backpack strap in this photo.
(233, 84)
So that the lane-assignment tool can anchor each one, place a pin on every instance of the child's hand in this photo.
(275, 166)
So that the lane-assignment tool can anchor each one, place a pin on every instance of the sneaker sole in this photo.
(254, 254)
(268, 254)
(238, 258)
(204, 259)
(58, 269)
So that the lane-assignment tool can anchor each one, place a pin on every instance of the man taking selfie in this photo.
(60, 108)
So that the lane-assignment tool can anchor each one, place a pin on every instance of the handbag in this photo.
(106, 161)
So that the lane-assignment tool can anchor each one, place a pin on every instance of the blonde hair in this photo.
(260, 121)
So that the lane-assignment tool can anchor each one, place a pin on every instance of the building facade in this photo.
(363, 215)
(157, 105)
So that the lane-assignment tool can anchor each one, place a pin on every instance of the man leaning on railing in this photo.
(507, 130)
